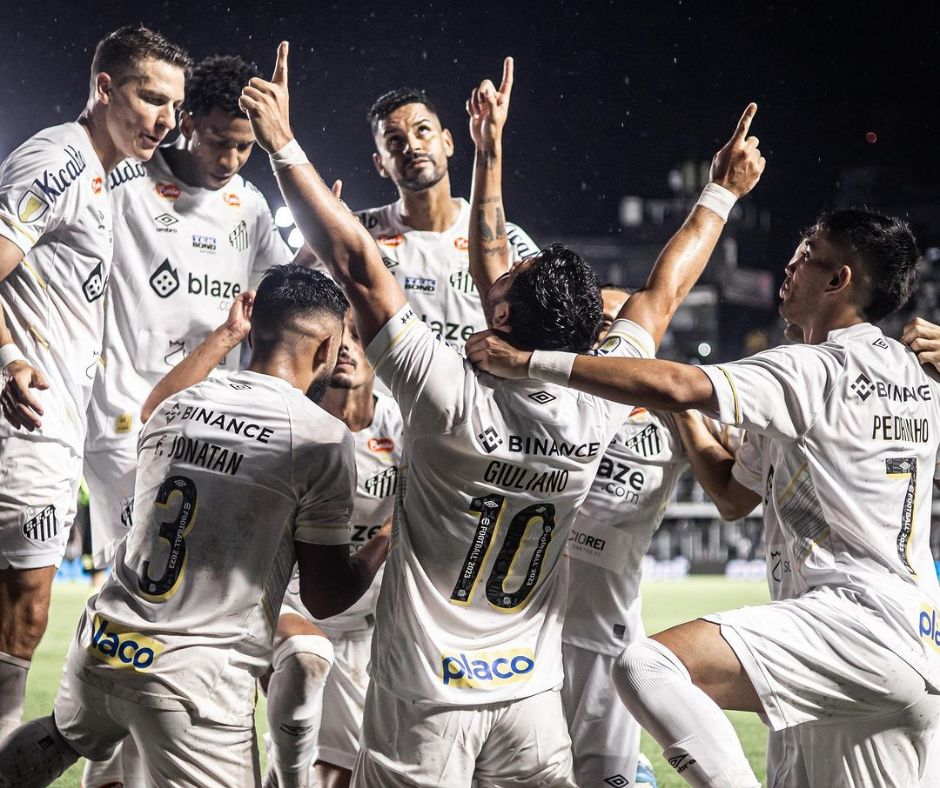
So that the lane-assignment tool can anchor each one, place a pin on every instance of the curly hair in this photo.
(386, 104)
(217, 81)
(555, 302)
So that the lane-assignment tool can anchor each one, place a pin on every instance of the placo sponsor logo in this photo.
(390, 240)
(929, 629)
(381, 445)
(484, 669)
(168, 191)
(421, 284)
(41, 525)
(122, 649)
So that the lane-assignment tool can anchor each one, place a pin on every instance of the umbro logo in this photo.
(880, 343)
(389, 262)
(165, 222)
(862, 387)
(542, 397)
(617, 781)
(490, 440)
(681, 762)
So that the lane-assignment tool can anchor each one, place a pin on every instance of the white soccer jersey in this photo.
(613, 530)
(379, 450)
(474, 594)
(858, 422)
(434, 268)
(232, 472)
(54, 206)
(181, 256)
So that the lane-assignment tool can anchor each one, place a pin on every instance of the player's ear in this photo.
(326, 352)
(448, 142)
(379, 167)
(186, 124)
(840, 279)
(103, 86)
(501, 317)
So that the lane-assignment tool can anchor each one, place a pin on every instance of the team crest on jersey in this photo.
(461, 243)
(647, 441)
(165, 281)
(31, 207)
(382, 484)
(97, 184)
(42, 524)
(168, 191)
(391, 240)
(93, 286)
(421, 284)
(232, 200)
(462, 281)
(381, 445)
(238, 238)
(127, 512)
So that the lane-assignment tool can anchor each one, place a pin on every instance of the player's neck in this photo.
(354, 407)
(92, 118)
(817, 331)
(430, 210)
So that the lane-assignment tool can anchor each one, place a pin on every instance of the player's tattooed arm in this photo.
(206, 357)
(711, 461)
(923, 337)
(736, 167)
(20, 408)
(488, 109)
(334, 234)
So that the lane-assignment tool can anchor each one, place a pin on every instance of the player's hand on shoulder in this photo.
(19, 407)
(267, 105)
(488, 109)
(488, 351)
(739, 164)
(923, 337)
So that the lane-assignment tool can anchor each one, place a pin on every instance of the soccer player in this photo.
(55, 258)
(238, 476)
(466, 658)
(194, 235)
(423, 235)
(853, 421)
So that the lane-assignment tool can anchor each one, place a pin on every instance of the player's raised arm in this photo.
(333, 233)
(488, 109)
(735, 170)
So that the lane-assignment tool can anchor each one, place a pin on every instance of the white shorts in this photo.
(605, 739)
(175, 747)
(344, 698)
(518, 743)
(110, 477)
(38, 498)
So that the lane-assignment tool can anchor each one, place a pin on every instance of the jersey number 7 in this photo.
(490, 510)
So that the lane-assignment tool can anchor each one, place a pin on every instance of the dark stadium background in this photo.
(610, 98)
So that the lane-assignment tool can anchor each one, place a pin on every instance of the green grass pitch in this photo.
(665, 604)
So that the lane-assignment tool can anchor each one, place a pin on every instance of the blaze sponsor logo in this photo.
(128, 170)
(482, 669)
(93, 286)
(929, 630)
(217, 288)
(168, 191)
(42, 525)
(461, 243)
(421, 284)
(381, 444)
(31, 207)
(391, 240)
(238, 238)
(462, 281)
(165, 281)
(122, 649)
(232, 200)
(97, 184)
(450, 332)
(620, 480)
(362, 534)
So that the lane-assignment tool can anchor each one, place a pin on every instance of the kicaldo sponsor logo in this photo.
(484, 669)
(122, 649)
(929, 629)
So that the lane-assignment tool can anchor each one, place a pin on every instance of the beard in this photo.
(423, 180)
(318, 388)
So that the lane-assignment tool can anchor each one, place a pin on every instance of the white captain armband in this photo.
(552, 366)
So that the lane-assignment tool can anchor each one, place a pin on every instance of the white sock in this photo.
(295, 703)
(13, 672)
(698, 740)
(34, 755)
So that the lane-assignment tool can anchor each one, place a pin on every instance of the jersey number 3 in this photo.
(490, 510)
(174, 532)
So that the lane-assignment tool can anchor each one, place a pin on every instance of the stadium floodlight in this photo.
(283, 218)
(296, 239)
(704, 349)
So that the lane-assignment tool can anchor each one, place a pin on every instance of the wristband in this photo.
(718, 200)
(552, 366)
(8, 354)
(288, 156)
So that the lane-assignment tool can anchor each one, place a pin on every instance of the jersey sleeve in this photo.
(778, 392)
(269, 248)
(625, 339)
(427, 377)
(326, 506)
(521, 245)
(30, 204)
(748, 463)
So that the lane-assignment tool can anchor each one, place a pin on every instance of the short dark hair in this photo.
(555, 302)
(887, 251)
(386, 104)
(121, 51)
(217, 81)
(292, 291)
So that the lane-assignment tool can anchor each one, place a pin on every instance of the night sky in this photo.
(608, 98)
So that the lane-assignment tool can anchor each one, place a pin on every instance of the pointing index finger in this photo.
(505, 87)
(745, 123)
(280, 68)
